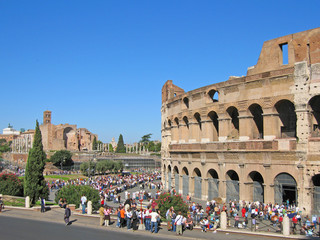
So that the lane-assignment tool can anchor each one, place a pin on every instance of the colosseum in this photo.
(253, 138)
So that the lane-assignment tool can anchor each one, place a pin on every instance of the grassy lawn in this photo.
(20, 202)
(64, 177)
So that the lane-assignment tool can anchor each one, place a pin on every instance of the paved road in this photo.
(24, 225)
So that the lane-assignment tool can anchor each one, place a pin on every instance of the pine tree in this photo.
(120, 147)
(94, 143)
(34, 183)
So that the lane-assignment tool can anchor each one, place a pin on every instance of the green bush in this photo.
(74, 193)
(10, 184)
(166, 200)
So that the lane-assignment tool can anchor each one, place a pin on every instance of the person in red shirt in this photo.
(243, 211)
(295, 222)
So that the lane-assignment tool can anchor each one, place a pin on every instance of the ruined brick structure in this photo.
(64, 136)
(253, 138)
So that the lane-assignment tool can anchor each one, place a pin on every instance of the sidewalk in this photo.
(92, 221)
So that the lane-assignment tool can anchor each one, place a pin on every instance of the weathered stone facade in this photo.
(252, 138)
(64, 136)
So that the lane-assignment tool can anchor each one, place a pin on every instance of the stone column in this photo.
(245, 126)
(27, 202)
(89, 208)
(271, 124)
(223, 221)
(184, 132)
(205, 132)
(286, 226)
(204, 187)
(174, 134)
(192, 131)
(224, 127)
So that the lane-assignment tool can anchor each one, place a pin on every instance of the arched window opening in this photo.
(316, 194)
(198, 119)
(288, 118)
(232, 185)
(186, 102)
(285, 189)
(234, 115)
(213, 184)
(176, 120)
(197, 183)
(315, 118)
(257, 112)
(257, 186)
(185, 181)
(214, 95)
(214, 128)
(186, 121)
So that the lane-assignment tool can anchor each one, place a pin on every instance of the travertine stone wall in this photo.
(259, 132)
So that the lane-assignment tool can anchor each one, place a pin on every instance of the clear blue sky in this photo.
(101, 64)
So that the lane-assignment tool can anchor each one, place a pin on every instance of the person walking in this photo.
(101, 213)
(43, 204)
(83, 203)
(154, 221)
(67, 214)
(107, 212)
(178, 223)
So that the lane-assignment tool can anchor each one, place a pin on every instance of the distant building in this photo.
(9, 133)
(64, 136)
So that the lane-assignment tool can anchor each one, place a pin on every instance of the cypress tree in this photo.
(34, 183)
(120, 147)
(94, 144)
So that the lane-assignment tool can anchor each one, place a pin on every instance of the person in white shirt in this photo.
(154, 221)
(83, 203)
(178, 223)
(204, 224)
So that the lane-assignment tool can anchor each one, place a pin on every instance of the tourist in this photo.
(178, 223)
(189, 222)
(67, 214)
(107, 212)
(101, 214)
(204, 223)
(1, 204)
(83, 203)
(154, 221)
(43, 204)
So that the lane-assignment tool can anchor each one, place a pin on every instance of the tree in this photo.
(34, 183)
(146, 138)
(104, 165)
(118, 166)
(110, 148)
(88, 168)
(120, 147)
(62, 156)
(94, 143)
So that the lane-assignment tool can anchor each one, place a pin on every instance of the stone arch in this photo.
(67, 132)
(197, 186)
(176, 178)
(285, 189)
(214, 95)
(314, 106)
(257, 189)
(234, 115)
(198, 128)
(287, 117)
(186, 101)
(169, 174)
(213, 127)
(213, 184)
(316, 194)
(185, 132)
(185, 181)
(232, 185)
(257, 126)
